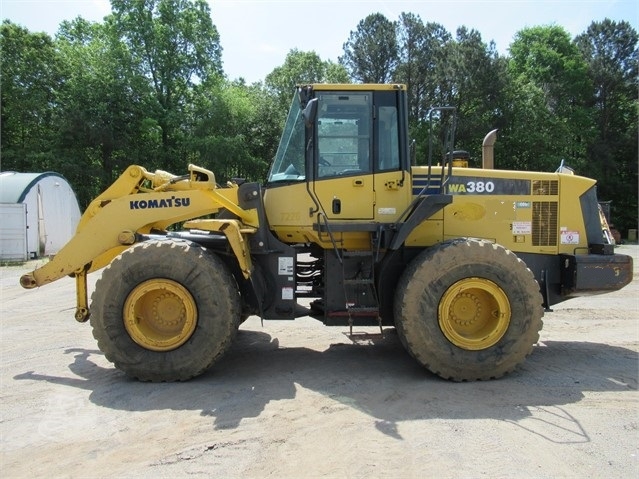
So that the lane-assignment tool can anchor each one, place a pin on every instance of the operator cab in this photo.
(334, 133)
(349, 143)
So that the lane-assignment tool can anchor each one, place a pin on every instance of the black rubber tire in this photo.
(211, 286)
(426, 280)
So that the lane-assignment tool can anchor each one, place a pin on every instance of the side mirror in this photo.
(310, 112)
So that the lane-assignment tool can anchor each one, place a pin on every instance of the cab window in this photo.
(344, 134)
(388, 139)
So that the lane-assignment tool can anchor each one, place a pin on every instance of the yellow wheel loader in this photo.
(462, 261)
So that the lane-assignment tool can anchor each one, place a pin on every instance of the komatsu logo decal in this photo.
(171, 202)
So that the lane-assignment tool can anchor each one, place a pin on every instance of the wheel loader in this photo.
(463, 262)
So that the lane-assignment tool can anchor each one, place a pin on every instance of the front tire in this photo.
(165, 310)
(468, 310)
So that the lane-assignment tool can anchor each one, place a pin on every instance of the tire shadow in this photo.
(374, 376)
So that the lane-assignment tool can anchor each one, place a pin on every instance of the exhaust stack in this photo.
(487, 151)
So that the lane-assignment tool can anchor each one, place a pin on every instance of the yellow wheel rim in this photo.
(160, 314)
(474, 313)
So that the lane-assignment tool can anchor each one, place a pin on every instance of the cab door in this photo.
(343, 167)
(390, 160)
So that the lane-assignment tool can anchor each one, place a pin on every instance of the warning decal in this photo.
(569, 237)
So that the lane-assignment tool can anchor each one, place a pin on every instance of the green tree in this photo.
(610, 50)
(175, 46)
(264, 129)
(301, 68)
(524, 140)
(548, 72)
(101, 110)
(29, 87)
(464, 73)
(371, 53)
(472, 80)
(422, 48)
(236, 128)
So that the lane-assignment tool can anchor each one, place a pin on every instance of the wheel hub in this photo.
(474, 313)
(160, 314)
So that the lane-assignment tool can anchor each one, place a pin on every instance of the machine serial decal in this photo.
(522, 227)
(468, 185)
(285, 266)
(167, 203)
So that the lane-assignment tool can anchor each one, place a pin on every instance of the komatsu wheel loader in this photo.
(462, 261)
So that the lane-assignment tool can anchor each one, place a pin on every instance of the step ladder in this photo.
(362, 284)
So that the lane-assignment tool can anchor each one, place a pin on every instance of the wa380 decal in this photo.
(459, 185)
(472, 187)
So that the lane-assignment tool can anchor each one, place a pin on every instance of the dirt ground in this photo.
(301, 400)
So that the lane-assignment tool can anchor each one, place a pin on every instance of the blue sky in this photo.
(256, 35)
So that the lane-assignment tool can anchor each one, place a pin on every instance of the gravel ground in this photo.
(298, 399)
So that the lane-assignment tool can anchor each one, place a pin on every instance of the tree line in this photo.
(147, 86)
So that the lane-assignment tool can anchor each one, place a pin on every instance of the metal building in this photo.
(39, 213)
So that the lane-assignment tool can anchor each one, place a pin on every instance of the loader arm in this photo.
(137, 203)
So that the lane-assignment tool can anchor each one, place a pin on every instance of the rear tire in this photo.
(165, 310)
(468, 310)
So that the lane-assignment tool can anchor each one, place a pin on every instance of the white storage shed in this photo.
(39, 213)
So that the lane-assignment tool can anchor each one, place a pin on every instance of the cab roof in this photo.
(356, 86)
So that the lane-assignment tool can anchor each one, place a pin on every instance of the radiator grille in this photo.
(545, 187)
(544, 223)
